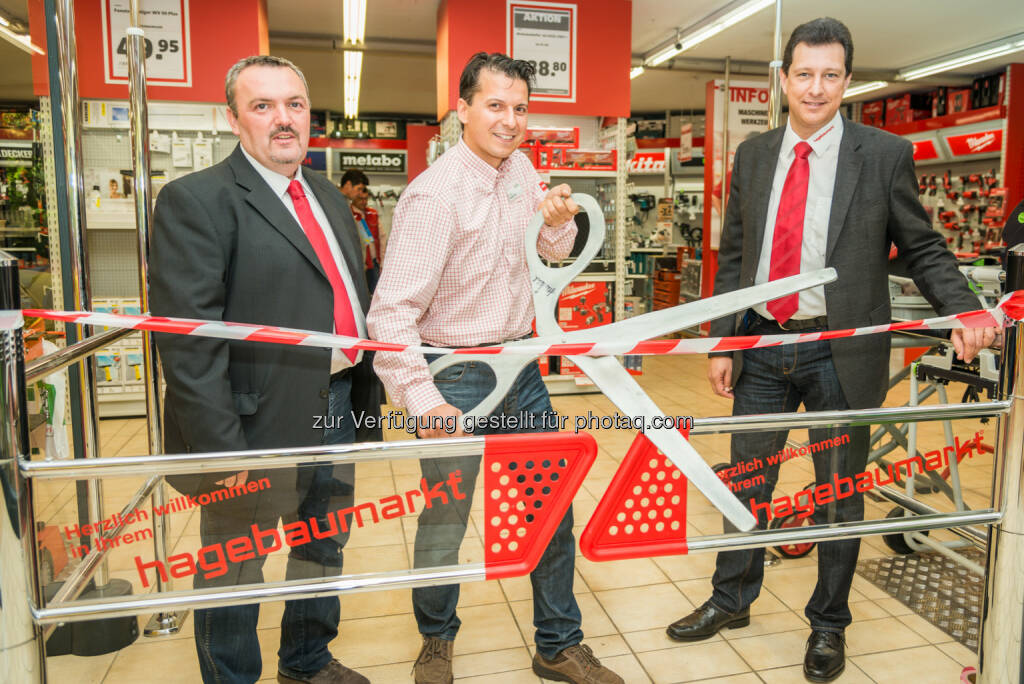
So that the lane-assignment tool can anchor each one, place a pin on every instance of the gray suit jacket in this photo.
(225, 248)
(874, 204)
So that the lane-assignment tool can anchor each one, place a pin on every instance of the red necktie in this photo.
(344, 319)
(787, 242)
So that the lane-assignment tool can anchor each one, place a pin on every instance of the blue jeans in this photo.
(556, 615)
(774, 380)
(226, 638)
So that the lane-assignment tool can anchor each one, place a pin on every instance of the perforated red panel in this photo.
(643, 512)
(529, 483)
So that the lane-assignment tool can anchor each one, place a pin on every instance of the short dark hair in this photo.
(516, 69)
(823, 31)
(355, 177)
(257, 60)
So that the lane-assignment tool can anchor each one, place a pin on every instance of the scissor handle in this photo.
(549, 282)
(505, 368)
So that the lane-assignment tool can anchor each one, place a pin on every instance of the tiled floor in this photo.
(625, 604)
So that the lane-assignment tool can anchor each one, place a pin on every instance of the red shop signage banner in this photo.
(176, 31)
(975, 143)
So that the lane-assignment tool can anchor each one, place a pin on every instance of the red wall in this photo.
(221, 32)
(465, 27)
(417, 137)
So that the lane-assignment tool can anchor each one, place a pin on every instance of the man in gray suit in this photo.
(820, 191)
(253, 239)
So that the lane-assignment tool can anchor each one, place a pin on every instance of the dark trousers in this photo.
(780, 379)
(556, 615)
(226, 638)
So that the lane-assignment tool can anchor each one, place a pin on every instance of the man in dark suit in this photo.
(253, 239)
(821, 191)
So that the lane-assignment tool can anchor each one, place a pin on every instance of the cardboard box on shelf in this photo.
(958, 101)
(585, 305)
(873, 113)
(907, 108)
(553, 137)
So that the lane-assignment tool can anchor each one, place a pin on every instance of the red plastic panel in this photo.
(643, 512)
(529, 483)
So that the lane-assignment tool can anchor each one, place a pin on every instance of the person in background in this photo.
(820, 191)
(355, 186)
(456, 275)
(256, 239)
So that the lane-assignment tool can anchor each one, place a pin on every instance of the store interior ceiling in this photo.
(399, 63)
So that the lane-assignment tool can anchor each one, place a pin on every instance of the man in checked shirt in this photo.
(455, 275)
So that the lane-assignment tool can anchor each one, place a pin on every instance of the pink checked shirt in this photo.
(455, 272)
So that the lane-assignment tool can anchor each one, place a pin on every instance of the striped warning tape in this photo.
(1010, 308)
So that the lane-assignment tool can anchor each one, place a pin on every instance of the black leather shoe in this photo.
(705, 622)
(826, 656)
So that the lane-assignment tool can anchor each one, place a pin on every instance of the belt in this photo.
(794, 324)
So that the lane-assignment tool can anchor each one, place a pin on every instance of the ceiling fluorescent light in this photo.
(355, 21)
(991, 50)
(635, 71)
(353, 73)
(864, 88)
(20, 41)
(699, 34)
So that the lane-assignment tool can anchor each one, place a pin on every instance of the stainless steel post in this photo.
(78, 265)
(725, 137)
(160, 623)
(774, 67)
(22, 651)
(621, 178)
(1000, 657)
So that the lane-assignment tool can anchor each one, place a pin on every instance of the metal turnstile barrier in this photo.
(26, 617)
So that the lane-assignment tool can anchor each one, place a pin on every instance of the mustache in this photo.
(284, 129)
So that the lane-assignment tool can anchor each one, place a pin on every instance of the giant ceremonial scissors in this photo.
(605, 371)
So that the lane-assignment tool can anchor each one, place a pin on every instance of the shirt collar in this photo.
(820, 141)
(277, 182)
(480, 169)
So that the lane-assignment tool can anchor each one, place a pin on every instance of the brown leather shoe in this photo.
(575, 664)
(333, 673)
(434, 663)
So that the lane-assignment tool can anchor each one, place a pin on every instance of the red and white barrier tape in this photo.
(1010, 308)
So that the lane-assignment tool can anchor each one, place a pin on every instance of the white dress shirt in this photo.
(822, 161)
(279, 184)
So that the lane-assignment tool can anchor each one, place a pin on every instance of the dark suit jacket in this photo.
(225, 248)
(874, 204)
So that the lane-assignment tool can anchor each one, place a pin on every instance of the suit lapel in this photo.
(261, 198)
(847, 174)
(766, 160)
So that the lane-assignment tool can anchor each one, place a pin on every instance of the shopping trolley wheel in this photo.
(794, 550)
(898, 542)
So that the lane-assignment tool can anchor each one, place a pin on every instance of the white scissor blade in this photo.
(657, 323)
(619, 386)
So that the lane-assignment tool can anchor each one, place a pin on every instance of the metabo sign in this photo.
(388, 162)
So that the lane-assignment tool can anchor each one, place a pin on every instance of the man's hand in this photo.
(969, 341)
(720, 375)
(558, 206)
(236, 480)
(435, 420)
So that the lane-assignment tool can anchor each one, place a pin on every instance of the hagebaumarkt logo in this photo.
(374, 161)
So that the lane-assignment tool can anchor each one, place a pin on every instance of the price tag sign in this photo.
(544, 34)
(167, 43)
